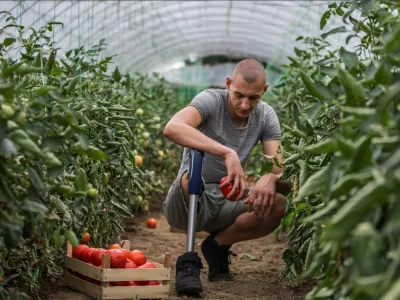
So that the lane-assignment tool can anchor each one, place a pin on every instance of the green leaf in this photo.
(45, 89)
(315, 184)
(333, 5)
(392, 43)
(325, 146)
(36, 181)
(7, 148)
(82, 181)
(321, 213)
(266, 167)
(331, 71)
(384, 75)
(251, 257)
(347, 182)
(359, 111)
(52, 143)
(71, 237)
(83, 141)
(310, 85)
(116, 75)
(324, 19)
(96, 153)
(355, 209)
(59, 240)
(334, 31)
(353, 89)
(8, 41)
(350, 59)
(34, 207)
(393, 292)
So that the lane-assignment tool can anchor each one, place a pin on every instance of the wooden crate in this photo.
(105, 275)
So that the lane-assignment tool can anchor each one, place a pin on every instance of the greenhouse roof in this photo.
(160, 36)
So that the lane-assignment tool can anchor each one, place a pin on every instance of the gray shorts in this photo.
(214, 212)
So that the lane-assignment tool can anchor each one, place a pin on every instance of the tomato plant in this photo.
(340, 137)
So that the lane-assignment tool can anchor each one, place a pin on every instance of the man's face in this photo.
(244, 96)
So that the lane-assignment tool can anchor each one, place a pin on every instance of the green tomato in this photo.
(106, 178)
(158, 142)
(157, 126)
(156, 119)
(92, 193)
(146, 135)
(139, 112)
(7, 110)
(21, 119)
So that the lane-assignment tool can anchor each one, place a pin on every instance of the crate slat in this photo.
(136, 292)
(83, 286)
(83, 268)
(135, 274)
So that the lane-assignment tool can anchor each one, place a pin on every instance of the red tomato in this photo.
(117, 258)
(77, 250)
(151, 223)
(97, 257)
(130, 264)
(138, 257)
(125, 283)
(227, 189)
(82, 254)
(114, 246)
(147, 265)
(88, 255)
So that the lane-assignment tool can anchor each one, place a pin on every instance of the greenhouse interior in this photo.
(238, 149)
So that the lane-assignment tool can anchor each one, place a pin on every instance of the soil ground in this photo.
(254, 280)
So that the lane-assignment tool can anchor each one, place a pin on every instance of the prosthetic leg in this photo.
(189, 264)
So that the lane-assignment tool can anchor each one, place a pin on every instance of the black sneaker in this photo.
(188, 268)
(218, 259)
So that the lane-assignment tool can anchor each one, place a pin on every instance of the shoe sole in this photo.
(189, 288)
(220, 277)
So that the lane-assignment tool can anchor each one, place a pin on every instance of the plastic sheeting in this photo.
(158, 36)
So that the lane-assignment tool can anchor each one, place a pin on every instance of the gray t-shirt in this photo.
(263, 124)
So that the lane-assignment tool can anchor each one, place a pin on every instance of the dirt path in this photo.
(253, 280)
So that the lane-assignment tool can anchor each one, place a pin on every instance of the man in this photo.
(225, 124)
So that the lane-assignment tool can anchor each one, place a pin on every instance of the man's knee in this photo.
(185, 187)
(279, 206)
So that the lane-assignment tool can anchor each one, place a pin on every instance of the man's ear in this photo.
(228, 82)
(265, 87)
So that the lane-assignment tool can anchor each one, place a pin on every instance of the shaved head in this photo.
(251, 70)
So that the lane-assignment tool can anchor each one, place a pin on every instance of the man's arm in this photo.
(182, 130)
(263, 194)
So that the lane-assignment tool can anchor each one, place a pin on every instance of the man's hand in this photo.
(235, 174)
(262, 196)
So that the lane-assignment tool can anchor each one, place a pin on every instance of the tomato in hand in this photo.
(227, 189)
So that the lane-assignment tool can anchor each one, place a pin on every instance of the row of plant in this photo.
(81, 149)
(341, 136)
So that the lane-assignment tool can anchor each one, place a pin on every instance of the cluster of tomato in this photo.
(119, 258)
